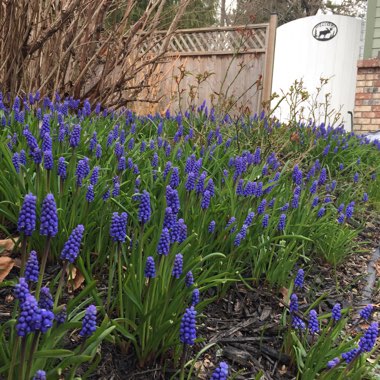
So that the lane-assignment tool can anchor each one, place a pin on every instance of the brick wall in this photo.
(367, 98)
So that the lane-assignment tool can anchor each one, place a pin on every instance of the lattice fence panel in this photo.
(231, 40)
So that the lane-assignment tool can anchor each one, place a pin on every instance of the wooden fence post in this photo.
(269, 60)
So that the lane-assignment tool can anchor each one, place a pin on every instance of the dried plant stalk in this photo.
(74, 47)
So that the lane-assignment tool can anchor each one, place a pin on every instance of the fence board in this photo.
(234, 60)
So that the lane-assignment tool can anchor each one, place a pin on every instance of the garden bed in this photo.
(177, 243)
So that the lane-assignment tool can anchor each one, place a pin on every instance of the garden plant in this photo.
(127, 227)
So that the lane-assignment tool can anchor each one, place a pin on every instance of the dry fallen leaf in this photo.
(285, 295)
(75, 278)
(377, 267)
(7, 245)
(6, 265)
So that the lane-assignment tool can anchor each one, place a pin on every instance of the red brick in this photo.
(360, 83)
(375, 76)
(366, 63)
(370, 115)
(363, 96)
(363, 108)
(364, 121)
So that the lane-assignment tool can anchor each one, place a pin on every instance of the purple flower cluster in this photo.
(220, 372)
(71, 248)
(118, 229)
(150, 268)
(27, 218)
(32, 267)
(144, 208)
(89, 322)
(187, 331)
(49, 217)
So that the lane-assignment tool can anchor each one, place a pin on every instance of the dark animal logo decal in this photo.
(325, 31)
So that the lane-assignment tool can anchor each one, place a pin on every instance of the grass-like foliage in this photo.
(170, 206)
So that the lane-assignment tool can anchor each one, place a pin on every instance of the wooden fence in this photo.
(230, 67)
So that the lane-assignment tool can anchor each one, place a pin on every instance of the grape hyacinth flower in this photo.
(169, 218)
(336, 312)
(210, 187)
(221, 372)
(32, 267)
(249, 218)
(206, 200)
(190, 182)
(61, 316)
(48, 160)
(90, 195)
(150, 268)
(178, 265)
(284, 207)
(75, 136)
(282, 222)
(95, 176)
(265, 221)
(341, 217)
(230, 223)
(62, 168)
(298, 323)
(71, 248)
(195, 297)
(356, 177)
(366, 312)
(16, 162)
(315, 202)
(322, 177)
(199, 188)
(365, 197)
(98, 152)
(118, 229)
(211, 226)
(174, 178)
(187, 331)
(21, 290)
(313, 322)
(22, 157)
(89, 322)
(46, 299)
(368, 340)
(293, 304)
(39, 375)
(299, 280)
(27, 218)
(321, 212)
(122, 164)
(172, 199)
(164, 243)
(144, 208)
(313, 187)
(32, 318)
(349, 211)
(189, 279)
(333, 363)
(350, 355)
(261, 208)
(49, 217)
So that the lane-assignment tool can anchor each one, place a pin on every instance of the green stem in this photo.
(33, 347)
(13, 360)
(182, 362)
(23, 255)
(22, 359)
(60, 284)
(43, 265)
(119, 275)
